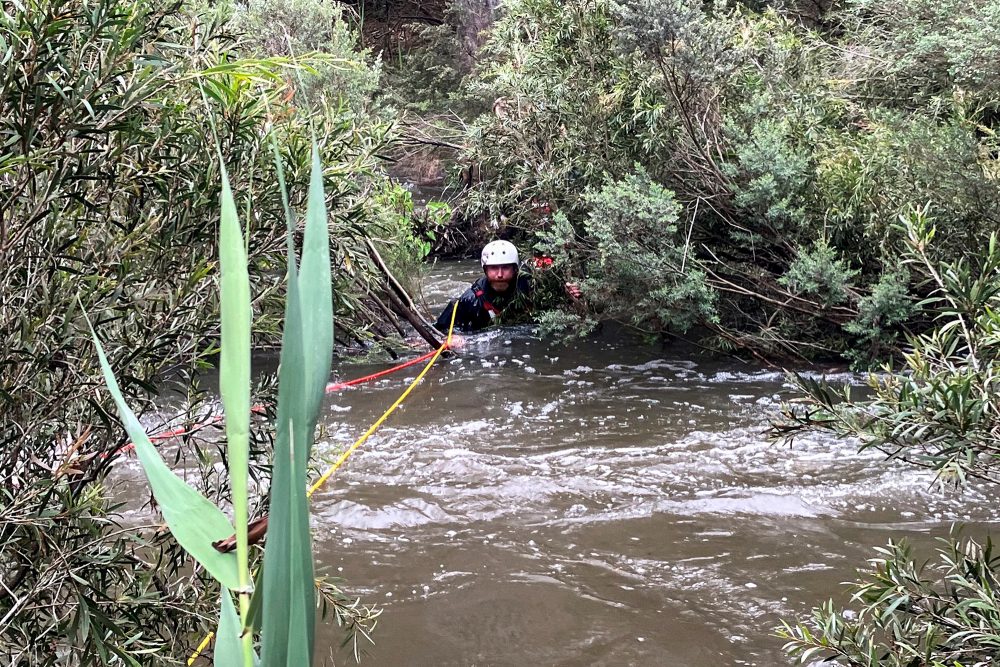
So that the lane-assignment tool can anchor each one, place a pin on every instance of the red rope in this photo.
(336, 386)
(258, 409)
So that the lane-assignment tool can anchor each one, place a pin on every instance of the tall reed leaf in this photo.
(234, 385)
(193, 520)
(286, 596)
(234, 366)
(289, 597)
(315, 296)
(228, 651)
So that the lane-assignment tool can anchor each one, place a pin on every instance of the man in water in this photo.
(503, 290)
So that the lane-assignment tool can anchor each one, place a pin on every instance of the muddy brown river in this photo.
(599, 503)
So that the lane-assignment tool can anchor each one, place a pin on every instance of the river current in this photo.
(599, 503)
(604, 502)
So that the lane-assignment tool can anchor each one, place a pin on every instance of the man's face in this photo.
(501, 276)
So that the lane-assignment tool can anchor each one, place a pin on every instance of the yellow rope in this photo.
(385, 415)
(201, 647)
(360, 441)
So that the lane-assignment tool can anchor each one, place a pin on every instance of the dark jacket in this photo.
(479, 306)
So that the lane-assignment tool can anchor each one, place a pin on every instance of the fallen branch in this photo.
(401, 302)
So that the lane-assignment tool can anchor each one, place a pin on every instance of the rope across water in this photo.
(260, 409)
(371, 430)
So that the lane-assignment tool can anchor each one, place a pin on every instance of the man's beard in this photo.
(500, 286)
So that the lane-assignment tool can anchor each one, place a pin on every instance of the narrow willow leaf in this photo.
(234, 366)
(193, 520)
(228, 648)
(280, 169)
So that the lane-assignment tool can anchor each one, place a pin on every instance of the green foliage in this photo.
(426, 77)
(108, 583)
(579, 99)
(940, 412)
(288, 606)
(343, 74)
(561, 92)
(868, 178)
(770, 174)
(939, 614)
(563, 326)
(635, 258)
(407, 234)
(109, 194)
(880, 315)
(228, 652)
(819, 273)
(916, 50)
(774, 139)
(193, 520)
(437, 214)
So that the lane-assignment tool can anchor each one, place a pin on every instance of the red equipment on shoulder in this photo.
(489, 307)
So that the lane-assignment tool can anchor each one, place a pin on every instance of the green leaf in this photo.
(307, 344)
(315, 294)
(228, 649)
(285, 594)
(251, 623)
(193, 520)
(234, 366)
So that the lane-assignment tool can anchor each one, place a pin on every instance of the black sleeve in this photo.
(444, 319)
(468, 307)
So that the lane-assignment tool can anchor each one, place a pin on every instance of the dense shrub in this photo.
(426, 77)
(913, 51)
(634, 256)
(109, 186)
(559, 91)
(881, 315)
(940, 411)
(780, 144)
(342, 73)
(868, 177)
(817, 272)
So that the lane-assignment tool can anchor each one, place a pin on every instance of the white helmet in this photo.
(499, 252)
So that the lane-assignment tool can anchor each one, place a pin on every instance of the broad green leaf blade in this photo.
(228, 648)
(302, 620)
(234, 366)
(289, 592)
(193, 520)
(285, 589)
(317, 350)
(315, 293)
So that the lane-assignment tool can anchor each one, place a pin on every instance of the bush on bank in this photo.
(109, 189)
(789, 151)
(940, 412)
